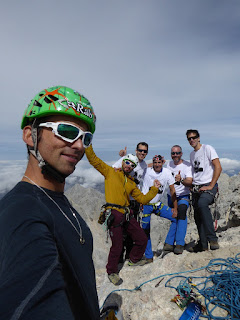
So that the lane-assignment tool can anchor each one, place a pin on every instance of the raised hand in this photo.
(123, 152)
(178, 176)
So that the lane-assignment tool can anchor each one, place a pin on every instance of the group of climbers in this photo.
(180, 178)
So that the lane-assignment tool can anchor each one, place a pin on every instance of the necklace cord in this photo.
(81, 239)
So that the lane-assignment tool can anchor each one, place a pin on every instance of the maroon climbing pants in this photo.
(133, 229)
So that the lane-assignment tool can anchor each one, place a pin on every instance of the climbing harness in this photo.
(157, 207)
(106, 218)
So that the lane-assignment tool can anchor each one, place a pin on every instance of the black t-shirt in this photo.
(45, 272)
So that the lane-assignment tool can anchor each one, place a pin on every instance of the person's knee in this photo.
(182, 211)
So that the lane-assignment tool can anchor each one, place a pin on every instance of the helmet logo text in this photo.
(76, 106)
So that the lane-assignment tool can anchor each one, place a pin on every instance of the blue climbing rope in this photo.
(158, 277)
(220, 290)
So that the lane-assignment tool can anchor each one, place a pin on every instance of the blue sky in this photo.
(151, 69)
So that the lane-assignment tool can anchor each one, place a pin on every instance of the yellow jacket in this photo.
(118, 186)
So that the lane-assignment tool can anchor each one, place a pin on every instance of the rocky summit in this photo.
(147, 291)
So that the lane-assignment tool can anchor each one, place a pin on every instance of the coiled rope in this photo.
(220, 290)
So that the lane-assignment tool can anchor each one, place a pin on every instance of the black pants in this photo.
(203, 216)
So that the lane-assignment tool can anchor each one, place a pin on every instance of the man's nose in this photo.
(78, 144)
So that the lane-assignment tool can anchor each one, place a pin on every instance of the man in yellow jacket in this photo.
(118, 186)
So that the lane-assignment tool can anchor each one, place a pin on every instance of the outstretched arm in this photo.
(96, 162)
(144, 199)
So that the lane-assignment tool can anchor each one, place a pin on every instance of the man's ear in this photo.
(27, 136)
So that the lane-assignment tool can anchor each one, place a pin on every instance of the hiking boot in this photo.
(214, 245)
(178, 249)
(197, 248)
(168, 247)
(139, 263)
(115, 279)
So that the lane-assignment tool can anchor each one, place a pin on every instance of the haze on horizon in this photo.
(11, 172)
(151, 69)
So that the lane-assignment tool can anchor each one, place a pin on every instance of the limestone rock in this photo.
(152, 300)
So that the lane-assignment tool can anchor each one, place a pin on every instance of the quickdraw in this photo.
(106, 218)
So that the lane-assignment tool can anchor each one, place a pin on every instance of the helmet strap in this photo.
(46, 167)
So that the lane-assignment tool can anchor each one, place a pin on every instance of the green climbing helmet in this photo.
(60, 100)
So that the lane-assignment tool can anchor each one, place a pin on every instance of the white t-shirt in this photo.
(202, 166)
(137, 173)
(164, 177)
(185, 169)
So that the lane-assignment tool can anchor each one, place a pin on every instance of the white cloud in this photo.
(230, 166)
(12, 171)
(86, 175)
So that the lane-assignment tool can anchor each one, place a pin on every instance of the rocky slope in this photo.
(153, 300)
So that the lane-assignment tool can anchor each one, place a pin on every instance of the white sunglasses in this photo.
(68, 132)
(130, 163)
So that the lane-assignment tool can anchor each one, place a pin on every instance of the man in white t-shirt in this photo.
(164, 176)
(182, 172)
(206, 171)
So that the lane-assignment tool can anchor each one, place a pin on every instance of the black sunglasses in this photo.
(173, 153)
(141, 150)
(192, 138)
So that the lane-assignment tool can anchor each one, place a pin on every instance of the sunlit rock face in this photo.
(153, 300)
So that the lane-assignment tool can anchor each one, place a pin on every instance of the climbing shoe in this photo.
(197, 248)
(178, 249)
(138, 263)
(214, 245)
(148, 260)
(168, 247)
(115, 279)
